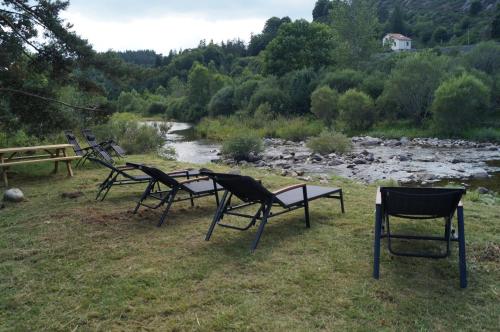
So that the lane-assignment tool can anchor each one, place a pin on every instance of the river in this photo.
(414, 162)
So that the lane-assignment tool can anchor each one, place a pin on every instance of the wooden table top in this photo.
(35, 148)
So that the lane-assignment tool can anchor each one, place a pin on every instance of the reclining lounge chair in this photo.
(118, 176)
(79, 151)
(420, 203)
(196, 187)
(252, 192)
(109, 146)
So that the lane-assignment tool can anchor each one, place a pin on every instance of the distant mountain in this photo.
(432, 22)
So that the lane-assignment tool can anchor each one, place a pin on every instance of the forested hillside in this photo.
(329, 74)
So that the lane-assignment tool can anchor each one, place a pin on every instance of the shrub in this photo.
(240, 147)
(324, 104)
(133, 136)
(272, 95)
(157, 108)
(329, 142)
(485, 57)
(297, 129)
(343, 80)
(244, 91)
(356, 110)
(460, 103)
(177, 108)
(373, 84)
(222, 102)
(299, 85)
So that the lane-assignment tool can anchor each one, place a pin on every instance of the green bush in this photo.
(222, 102)
(241, 146)
(157, 108)
(297, 129)
(356, 110)
(244, 91)
(272, 95)
(460, 103)
(177, 108)
(373, 84)
(133, 136)
(330, 142)
(343, 80)
(324, 104)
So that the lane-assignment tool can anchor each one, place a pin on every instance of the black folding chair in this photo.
(98, 150)
(109, 146)
(420, 203)
(118, 176)
(79, 151)
(194, 186)
(252, 192)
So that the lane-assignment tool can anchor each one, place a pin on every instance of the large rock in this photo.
(13, 195)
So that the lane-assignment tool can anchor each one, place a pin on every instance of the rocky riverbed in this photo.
(419, 160)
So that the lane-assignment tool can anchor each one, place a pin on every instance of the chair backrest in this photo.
(92, 142)
(90, 137)
(157, 174)
(74, 142)
(244, 187)
(421, 203)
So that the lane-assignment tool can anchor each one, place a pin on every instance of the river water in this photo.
(190, 149)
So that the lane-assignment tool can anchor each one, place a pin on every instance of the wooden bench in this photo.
(53, 153)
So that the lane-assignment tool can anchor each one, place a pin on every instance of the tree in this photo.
(475, 8)
(396, 21)
(299, 84)
(485, 57)
(440, 35)
(356, 29)
(495, 25)
(324, 104)
(321, 11)
(222, 102)
(460, 103)
(343, 79)
(356, 110)
(299, 45)
(260, 41)
(411, 85)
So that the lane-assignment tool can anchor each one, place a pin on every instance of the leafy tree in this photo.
(475, 8)
(343, 79)
(321, 11)
(356, 110)
(373, 84)
(260, 41)
(485, 57)
(396, 21)
(299, 84)
(269, 92)
(495, 24)
(324, 104)
(222, 102)
(356, 29)
(244, 91)
(440, 35)
(299, 45)
(411, 85)
(460, 103)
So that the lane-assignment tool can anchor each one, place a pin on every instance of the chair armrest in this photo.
(295, 186)
(126, 167)
(179, 171)
(194, 180)
(378, 198)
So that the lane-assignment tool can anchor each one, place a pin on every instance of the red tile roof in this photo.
(397, 36)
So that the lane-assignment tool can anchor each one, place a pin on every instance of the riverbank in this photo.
(70, 264)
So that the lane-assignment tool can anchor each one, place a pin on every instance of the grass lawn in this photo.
(77, 264)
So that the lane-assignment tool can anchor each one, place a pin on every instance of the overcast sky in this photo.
(165, 25)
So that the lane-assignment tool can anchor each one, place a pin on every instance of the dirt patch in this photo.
(487, 253)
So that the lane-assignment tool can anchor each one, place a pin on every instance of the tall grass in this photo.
(295, 129)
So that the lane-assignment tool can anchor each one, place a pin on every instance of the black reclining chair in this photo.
(193, 185)
(252, 192)
(420, 203)
(99, 149)
(110, 145)
(79, 151)
(118, 176)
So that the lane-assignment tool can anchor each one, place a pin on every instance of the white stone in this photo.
(13, 195)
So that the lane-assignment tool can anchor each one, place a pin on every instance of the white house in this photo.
(397, 41)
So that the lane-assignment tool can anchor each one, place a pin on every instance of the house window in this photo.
(407, 43)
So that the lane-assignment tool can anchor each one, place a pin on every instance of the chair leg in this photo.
(376, 245)
(263, 223)
(217, 215)
(461, 247)
(306, 206)
(144, 195)
(342, 201)
(169, 204)
(191, 199)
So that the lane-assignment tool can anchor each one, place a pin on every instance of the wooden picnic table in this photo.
(35, 154)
